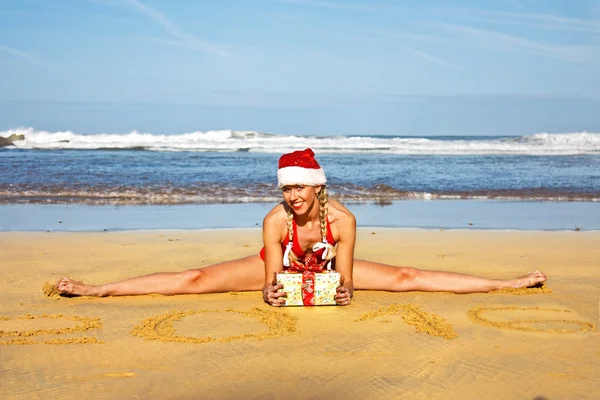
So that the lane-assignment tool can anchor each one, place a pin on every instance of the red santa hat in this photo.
(300, 168)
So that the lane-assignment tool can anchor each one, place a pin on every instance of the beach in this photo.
(539, 343)
(143, 137)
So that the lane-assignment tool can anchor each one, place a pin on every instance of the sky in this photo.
(310, 67)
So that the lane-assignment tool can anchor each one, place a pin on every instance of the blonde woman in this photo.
(307, 231)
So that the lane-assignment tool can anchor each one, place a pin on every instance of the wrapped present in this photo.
(309, 288)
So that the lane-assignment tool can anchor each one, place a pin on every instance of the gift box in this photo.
(309, 288)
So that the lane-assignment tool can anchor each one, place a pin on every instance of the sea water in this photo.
(233, 167)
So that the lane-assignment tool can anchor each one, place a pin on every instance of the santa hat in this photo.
(300, 168)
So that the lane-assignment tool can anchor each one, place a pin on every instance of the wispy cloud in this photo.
(503, 42)
(463, 36)
(182, 39)
(433, 59)
(518, 4)
(325, 4)
(112, 3)
(540, 21)
(21, 54)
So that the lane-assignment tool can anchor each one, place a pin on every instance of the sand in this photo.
(232, 345)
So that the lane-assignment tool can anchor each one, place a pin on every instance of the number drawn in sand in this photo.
(161, 327)
(425, 322)
(526, 323)
(83, 324)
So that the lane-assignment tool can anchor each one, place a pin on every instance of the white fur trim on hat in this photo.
(289, 176)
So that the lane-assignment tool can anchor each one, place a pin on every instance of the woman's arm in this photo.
(273, 258)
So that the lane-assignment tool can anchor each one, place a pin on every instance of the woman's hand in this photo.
(271, 294)
(343, 294)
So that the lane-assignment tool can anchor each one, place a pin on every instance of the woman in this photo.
(306, 230)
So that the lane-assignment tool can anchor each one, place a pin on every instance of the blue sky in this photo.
(301, 66)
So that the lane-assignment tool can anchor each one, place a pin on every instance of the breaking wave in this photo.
(249, 141)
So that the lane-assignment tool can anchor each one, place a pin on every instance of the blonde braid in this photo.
(323, 208)
(323, 211)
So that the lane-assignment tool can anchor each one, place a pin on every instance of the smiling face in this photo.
(300, 198)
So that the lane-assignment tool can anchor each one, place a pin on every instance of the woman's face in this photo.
(300, 198)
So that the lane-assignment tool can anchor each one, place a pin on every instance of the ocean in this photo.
(239, 167)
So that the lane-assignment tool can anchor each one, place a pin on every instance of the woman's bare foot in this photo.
(76, 288)
(527, 280)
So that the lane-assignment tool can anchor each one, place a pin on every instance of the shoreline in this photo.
(423, 214)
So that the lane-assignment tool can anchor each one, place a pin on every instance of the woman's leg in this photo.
(238, 275)
(375, 276)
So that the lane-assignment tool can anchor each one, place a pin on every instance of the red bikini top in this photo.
(313, 262)
(296, 244)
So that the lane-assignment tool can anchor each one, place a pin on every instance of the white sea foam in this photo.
(137, 196)
(229, 141)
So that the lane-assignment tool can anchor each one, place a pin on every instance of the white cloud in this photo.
(462, 36)
(183, 39)
(540, 21)
(432, 59)
(325, 4)
(21, 54)
(498, 41)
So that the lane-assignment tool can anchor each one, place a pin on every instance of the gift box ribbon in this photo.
(308, 269)
(308, 288)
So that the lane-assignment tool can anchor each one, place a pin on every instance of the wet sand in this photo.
(525, 344)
